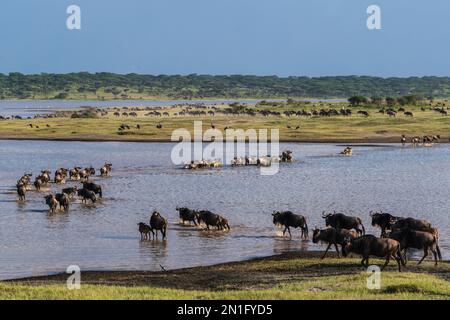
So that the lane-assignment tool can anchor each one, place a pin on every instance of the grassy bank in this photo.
(288, 276)
(355, 128)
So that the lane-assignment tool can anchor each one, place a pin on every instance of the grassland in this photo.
(288, 276)
(376, 127)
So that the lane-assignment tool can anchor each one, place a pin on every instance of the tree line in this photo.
(123, 86)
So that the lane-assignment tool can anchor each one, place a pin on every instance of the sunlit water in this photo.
(400, 180)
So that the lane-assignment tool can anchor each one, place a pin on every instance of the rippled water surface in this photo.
(401, 180)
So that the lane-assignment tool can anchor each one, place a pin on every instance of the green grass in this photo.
(270, 278)
(376, 127)
(394, 286)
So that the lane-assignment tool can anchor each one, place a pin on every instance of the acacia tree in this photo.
(357, 100)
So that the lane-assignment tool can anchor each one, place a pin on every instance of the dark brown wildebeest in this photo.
(70, 191)
(37, 184)
(289, 219)
(87, 195)
(74, 173)
(45, 176)
(223, 224)
(333, 236)
(411, 223)
(369, 245)
(63, 201)
(363, 113)
(90, 171)
(383, 220)
(418, 240)
(342, 221)
(59, 179)
(52, 203)
(158, 223)
(97, 189)
(408, 114)
(403, 139)
(21, 191)
(210, 219)
(415, 141)
(144, 230)
(187, 215)
(286, 156)
(106, 169)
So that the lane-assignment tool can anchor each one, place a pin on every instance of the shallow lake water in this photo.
(400, 180)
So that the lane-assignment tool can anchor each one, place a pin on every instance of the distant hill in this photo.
(85, 85)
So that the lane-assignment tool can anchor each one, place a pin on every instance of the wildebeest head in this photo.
(377, 218)
(316, 235)
(277, 217)
(328, 218)
(346, 246)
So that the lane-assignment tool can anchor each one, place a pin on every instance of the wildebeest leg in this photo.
(142, 236)
(328, 248)
(284, 231)
(405, 256)
(388, 258)
(289, 230)
(363, 261)
(399, 261)
(435, 256)
(425, 254)
(337, 250)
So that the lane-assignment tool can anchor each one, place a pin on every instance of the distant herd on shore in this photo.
(398, 234)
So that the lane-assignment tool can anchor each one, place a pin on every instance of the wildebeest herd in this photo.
(264, 161)
(88, 191)
(398, 234)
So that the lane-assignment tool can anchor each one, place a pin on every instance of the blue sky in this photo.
(260, 37)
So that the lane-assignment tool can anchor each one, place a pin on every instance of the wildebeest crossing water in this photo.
(103, 236)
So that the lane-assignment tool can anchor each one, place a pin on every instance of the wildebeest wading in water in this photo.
(341, 221)
(187, 215)
(212, 219)
(289, 219)
(333, 236)
(158, 223)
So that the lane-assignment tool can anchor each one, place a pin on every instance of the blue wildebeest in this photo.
(341, 221)
(288, 219)
(411, 223)
(187, 215)
(383, 220)
(333, 236)
(422, 240)
(158, 223)
(369, 245)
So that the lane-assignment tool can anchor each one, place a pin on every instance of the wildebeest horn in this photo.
(274, 213)
(371, 213)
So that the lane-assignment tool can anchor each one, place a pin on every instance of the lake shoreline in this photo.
(355, 142)
(125, 276)
(294, 275)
